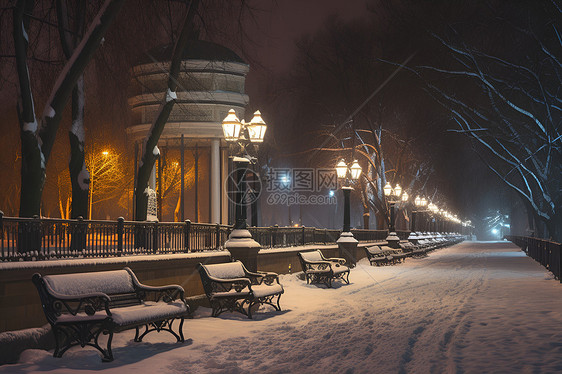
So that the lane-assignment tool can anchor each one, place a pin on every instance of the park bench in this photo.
(412, 249)
(230, 286)
(82, 306)
(377, 256)
(318, 269)
(384, 255)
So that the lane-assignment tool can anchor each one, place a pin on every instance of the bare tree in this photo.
(77, 168)
(37, 138)
(150, 148)
(510, 106)
(342, 97)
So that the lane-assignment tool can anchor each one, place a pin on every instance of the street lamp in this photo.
(347, 244)
(243, 134)
(236, 132)
(420, 204)
(394, 196)
(354, 172)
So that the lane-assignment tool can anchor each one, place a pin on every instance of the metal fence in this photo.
(545, 252)
(52, 238)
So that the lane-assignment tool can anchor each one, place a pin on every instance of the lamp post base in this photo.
(393, 240)
(347, 245)
(243, 247)
(413, 238)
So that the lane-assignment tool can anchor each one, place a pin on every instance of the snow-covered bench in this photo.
(82, 306)
(317, 268)
(377, 257)
(412, 249)
(384, 255)
(230, 286)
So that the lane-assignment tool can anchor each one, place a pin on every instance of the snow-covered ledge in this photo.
(243, 247)
(393, 240)
(347, 245)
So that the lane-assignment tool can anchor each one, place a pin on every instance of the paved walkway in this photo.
(475, 307)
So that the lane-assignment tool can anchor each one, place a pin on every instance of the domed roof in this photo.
(195, 50)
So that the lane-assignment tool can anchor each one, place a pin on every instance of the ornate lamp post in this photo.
(420, 204)
(240, 136)
(434, 210)
(394, 196)
(347, 243)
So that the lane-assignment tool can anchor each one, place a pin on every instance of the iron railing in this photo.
(52, 238)
(545, 252)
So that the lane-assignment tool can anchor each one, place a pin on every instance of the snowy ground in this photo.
(475, 307)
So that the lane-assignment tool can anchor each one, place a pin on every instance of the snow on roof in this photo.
(195, 50)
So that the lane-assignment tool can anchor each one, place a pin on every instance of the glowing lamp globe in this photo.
(405, 196)
(387, 189)
(231, 126)
(417, 201)
(355, 170)
(341, 169)
(397, 190)
(256, 128)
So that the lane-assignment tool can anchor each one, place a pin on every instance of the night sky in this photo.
(267, 37)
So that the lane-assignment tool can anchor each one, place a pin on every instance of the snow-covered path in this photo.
(472, 308)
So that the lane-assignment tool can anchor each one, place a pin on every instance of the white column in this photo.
(215, 182)
(152, 179)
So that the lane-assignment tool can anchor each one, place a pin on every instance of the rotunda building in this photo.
(190, 173)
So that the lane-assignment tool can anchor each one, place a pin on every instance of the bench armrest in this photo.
(225, 285)
(268, 277)
(339, 260)
(318, 265)
(74, 304)
(166, 293)
(229, 280)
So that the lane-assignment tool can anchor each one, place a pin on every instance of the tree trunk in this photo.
(381, 220)
(555, 228)
(32, 167)
(79, 178)
(37, 143)
(149, 157)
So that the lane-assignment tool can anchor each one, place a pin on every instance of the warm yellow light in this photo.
(231, 126)
(397, 190)
(405, 196)
(341, 169)
(105, 153)
(355, 170)
(418, 201)
(256, 128)
(387, 189)
(423, 201)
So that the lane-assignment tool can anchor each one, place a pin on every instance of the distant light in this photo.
(105, 153)
(296, 225)
(331, 193)
(285, 179)
(495, 231)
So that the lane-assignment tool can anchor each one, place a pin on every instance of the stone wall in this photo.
(20, 306)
